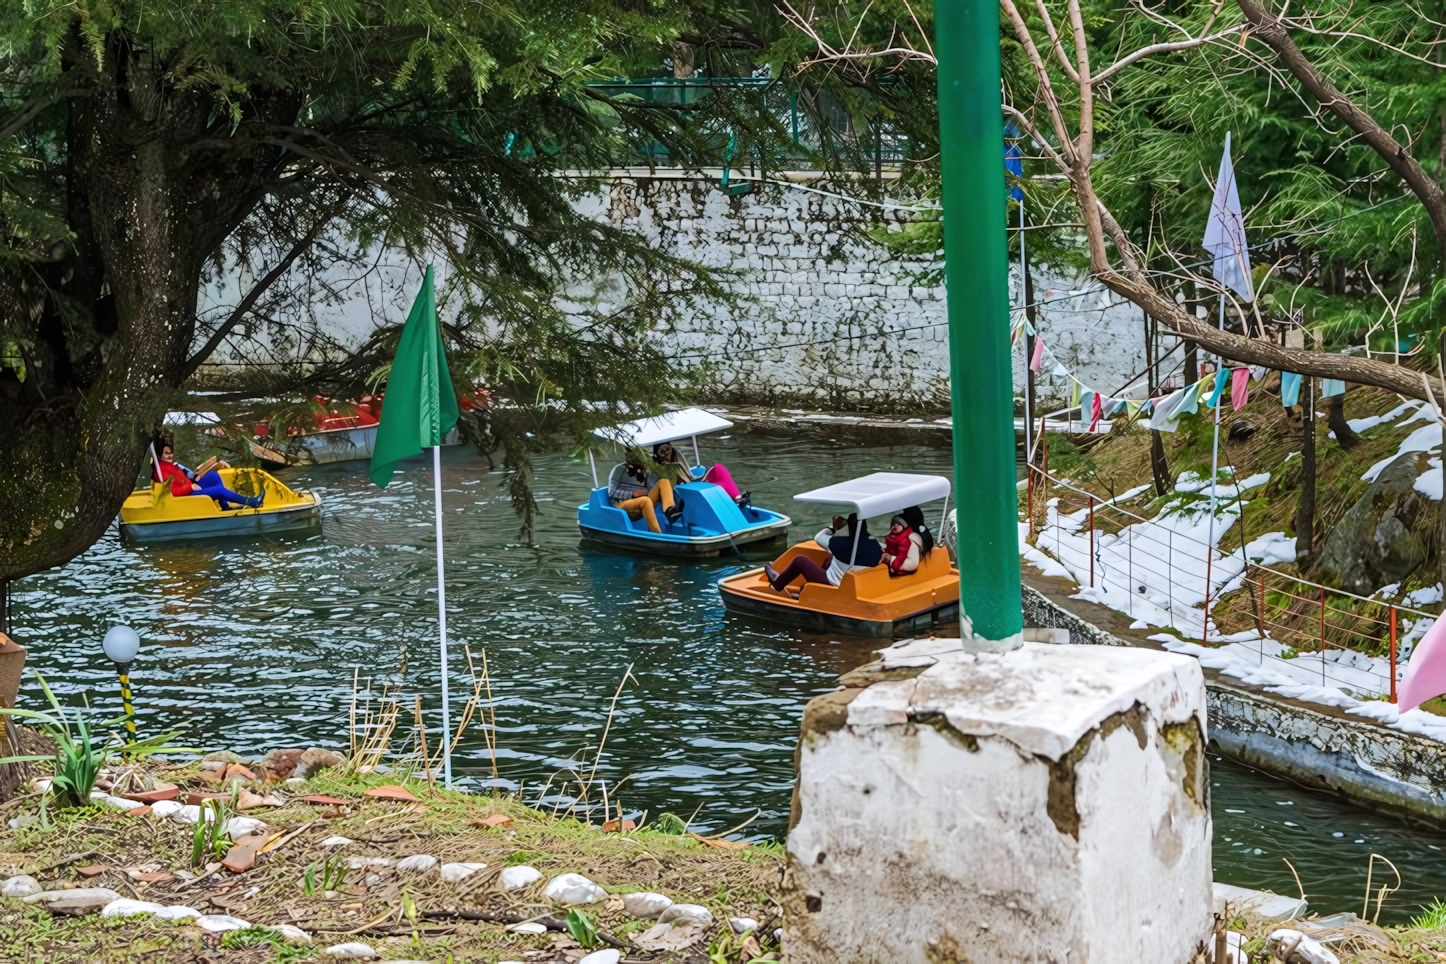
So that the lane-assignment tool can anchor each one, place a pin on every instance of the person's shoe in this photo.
(744, 500)
(676, 512)
(771, 574)
(254, 502)
(226, 506)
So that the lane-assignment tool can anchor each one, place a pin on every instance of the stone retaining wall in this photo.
(1371, 765)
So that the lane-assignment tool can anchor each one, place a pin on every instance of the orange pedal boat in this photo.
(867, 602)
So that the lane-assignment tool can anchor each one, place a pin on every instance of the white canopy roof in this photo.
(684, 423)
(882, 493)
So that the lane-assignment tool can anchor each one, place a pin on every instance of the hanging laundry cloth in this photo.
(1038, 358)
(1143, 408)
(1239, 388)
(1118, 407)
(1330, 387)
(1221, 377)
(1074, 393)
(1289, 389)
(1096, 409)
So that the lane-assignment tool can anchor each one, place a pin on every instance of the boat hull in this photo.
(826, 622)
(324, 448)
(156, 515)
(238, 523)
(699, 546)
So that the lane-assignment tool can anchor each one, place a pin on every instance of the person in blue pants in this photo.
(203, 481)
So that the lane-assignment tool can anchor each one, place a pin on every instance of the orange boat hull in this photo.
(869, 602)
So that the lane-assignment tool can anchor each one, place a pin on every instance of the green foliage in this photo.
(670, 823)
(251, 937)
(209, 840)
(581, 928)
(333, 875)
(1288, 652)
(79, 751)
(1432, 916)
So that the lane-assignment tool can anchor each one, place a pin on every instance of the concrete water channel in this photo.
(252, 645)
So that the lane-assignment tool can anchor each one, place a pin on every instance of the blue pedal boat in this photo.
(710, 524)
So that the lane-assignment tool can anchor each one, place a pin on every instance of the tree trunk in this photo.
(1159, 466)
(1336, 418)
(1305, 508)
(117, 311)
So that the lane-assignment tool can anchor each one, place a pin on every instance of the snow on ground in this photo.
(1361, 424)
(1155, 572)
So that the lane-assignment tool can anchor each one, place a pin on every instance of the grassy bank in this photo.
(323, 889)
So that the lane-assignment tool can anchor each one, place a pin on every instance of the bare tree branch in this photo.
(1272, 32)
(258, 289)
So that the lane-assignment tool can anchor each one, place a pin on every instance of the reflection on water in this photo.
(252, 645)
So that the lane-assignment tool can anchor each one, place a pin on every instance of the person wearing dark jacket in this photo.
(844, 557)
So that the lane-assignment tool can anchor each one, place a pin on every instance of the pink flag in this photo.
(1038, 358)
(1239, 388)
(1425, 675)
(1096, 407)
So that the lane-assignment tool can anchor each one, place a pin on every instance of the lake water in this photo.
(252, 645)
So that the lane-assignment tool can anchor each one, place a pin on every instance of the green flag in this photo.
(420, 406)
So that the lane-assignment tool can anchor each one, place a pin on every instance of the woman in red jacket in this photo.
(204, 481)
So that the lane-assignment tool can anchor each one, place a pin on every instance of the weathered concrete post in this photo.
(1049, 803)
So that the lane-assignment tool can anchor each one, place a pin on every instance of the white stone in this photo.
(516, 878)
(742, 925)
(607, 956)
(528, 927)
(165, 808)
(20, 886)
(352, 949)
(125, 907)
(416, 864)
(177, 912)
(115, 803)
(292, 934)
(1059, 785)
(238, 827)
(78, 893)
(1295, 948)
(188, 813)
(220, 923)
(336, 841)
(451, 873)
(686, 913)
(573, 889)
(646, 905)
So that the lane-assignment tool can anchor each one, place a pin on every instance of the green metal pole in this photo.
(971, 143)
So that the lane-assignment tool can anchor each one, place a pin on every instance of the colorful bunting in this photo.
(1240, 388)
(1289, 389)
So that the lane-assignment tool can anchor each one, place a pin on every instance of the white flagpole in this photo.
(442, 624)
(1028, 358)
(1215, 459)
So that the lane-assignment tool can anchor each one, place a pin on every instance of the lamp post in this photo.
(122, 644)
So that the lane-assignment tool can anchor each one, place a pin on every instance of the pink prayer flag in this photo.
(1096, 407)
(1038, 358)
(1425, 675)
(1239, 388)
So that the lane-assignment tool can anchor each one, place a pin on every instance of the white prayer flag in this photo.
(1225, 233)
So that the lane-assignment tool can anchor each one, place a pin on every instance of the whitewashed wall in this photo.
(827, 318)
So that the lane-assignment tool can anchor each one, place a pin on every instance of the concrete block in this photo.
(1043, 804)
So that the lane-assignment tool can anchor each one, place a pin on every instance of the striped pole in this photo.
(130, 714)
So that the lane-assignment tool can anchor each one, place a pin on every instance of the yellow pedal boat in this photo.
(867, 602)
(154, 514)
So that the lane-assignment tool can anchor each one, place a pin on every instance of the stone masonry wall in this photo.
(827, 318)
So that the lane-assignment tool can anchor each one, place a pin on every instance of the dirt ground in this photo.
(401, 916)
